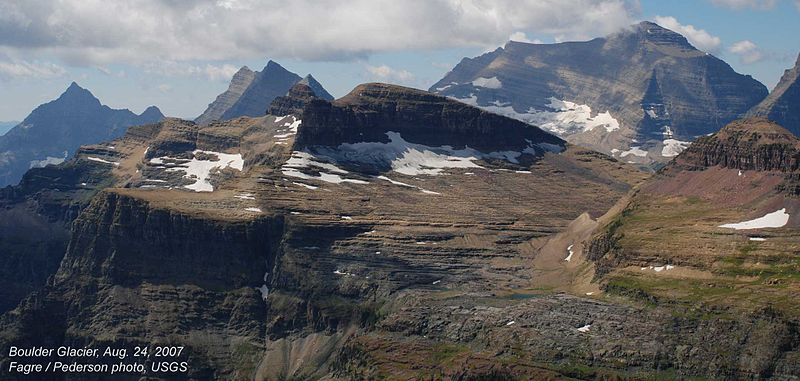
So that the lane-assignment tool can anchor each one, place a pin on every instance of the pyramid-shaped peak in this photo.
(319, 91)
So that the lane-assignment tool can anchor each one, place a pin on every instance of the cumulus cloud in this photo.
(742, 4)
(96, 32)
(747, 51)
(384, 73)
(698, 37)
(14, 69)
(178, 69)
(522, 37)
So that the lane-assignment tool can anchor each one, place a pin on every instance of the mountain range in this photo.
(640, 95)
(55, 130)
(463, 233)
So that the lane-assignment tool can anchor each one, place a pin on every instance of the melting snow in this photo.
(740, 172)
(301, 160)
(47, 161)
(245, 196)
(775, 219)
(305, 185)
(264, 291)
(760, 239)
(200, 170)
(99, 160)
(585, 328)
(635, 151)
(406, 185)
(347, 218)
(673, 147)
(563, 117)
(659, 269)
(337, 272)
(256, 210)
(489, 83)
(511, 323)
(569, 257)
(436, 281)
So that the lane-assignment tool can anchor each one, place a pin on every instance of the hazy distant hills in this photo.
(55, 130)
(640, 94)
(251, 92)
(6, 126)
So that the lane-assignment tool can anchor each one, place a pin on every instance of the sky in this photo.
(179, 55)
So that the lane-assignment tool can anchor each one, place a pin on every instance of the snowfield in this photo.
(776, 219)
(562, 118)
(200, 170)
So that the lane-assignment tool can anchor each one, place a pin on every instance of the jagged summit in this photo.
(320, 91)
(783, 103)
(250, 93)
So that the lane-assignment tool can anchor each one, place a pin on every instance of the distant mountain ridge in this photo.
(641, 94)
(783, 103)
(251, 92)
(56, 129)
(7, 126)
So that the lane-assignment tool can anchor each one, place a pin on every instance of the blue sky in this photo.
(180, 55)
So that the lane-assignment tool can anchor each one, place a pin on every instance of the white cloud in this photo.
(522, 37)
(172, 68)
(24, 69)
(95, 32)
(384, 73)
(698, 37)
(742, 4)
(747, 51)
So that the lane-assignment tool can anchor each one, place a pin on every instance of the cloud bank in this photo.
(97, 32)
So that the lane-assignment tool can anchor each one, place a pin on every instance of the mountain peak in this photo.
(274, 67)
(76, 90)
(319, 91)
(152, 113)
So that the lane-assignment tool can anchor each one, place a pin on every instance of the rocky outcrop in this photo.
(55, 130)
(645, 87)
(293, 102)
(750, 144)
(370, 111)
(783, 103)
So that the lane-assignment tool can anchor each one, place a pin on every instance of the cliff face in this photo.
(646, 88)
(55, 130)
(372, 110)
(751, 144)
(783, 103)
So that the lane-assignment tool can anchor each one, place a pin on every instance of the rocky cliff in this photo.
(55, 130)
(641, 94)
(750, 144)
(783, 103)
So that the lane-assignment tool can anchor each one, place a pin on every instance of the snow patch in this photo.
(304, 160)
(776, 219)
(569, 250)
(200, 170)
(489, 83)
(758, 239)
(245, 196)
(49, 160)
(99, 160)
(511, 323)
(635, 151)
(255, 210)
(673, 147)
(562, 117)
(585, 328)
